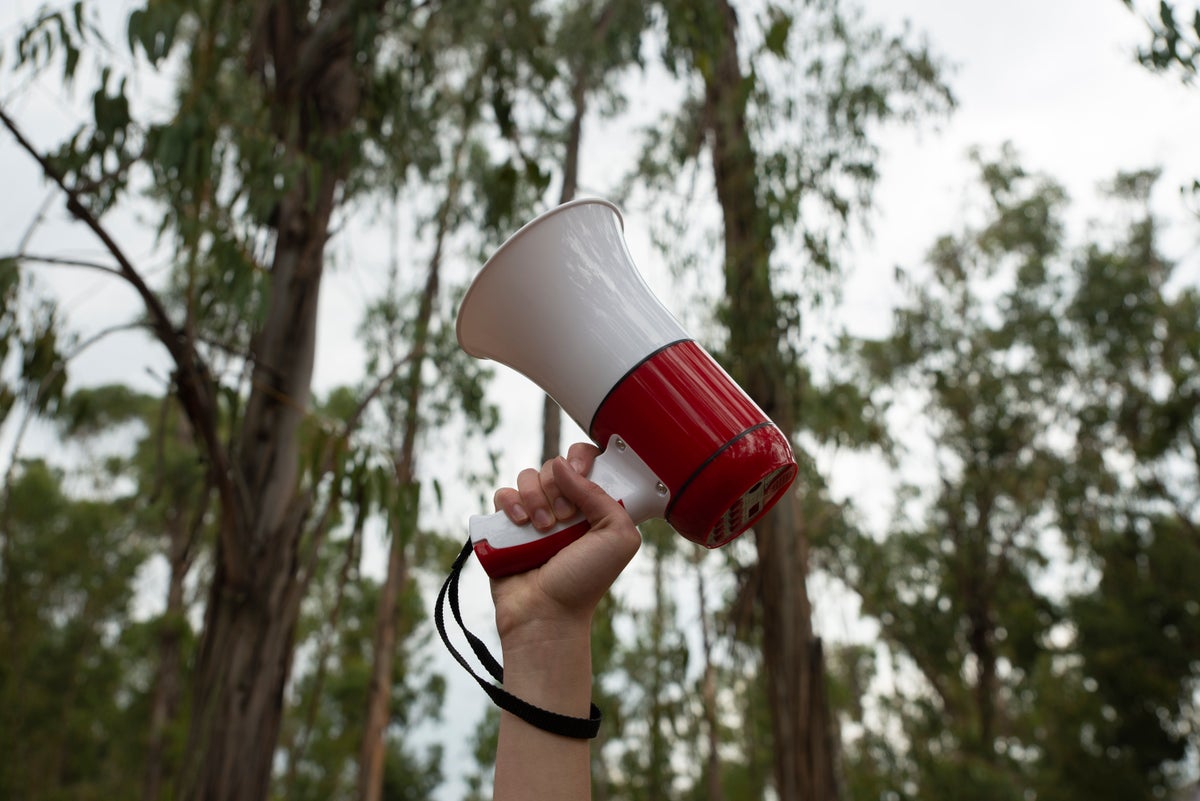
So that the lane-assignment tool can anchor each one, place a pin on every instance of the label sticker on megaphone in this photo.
(562, 303)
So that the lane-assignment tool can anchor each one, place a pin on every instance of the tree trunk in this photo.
(254, 602)
(803, 764)
(551, 413)
(708, 690)
(168, 681)
(245, 654)
(373, 752)
(243, 666)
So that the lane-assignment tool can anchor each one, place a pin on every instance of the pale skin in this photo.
(544, 619)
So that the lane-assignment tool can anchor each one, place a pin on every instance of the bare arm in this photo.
(544, 619)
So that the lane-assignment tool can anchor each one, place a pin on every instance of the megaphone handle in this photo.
(504, 548)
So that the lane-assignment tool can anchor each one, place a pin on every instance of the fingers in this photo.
(581, 455)
(606, 555)
(537, 500)
(595, 504)
(537, 497)
(508, 500)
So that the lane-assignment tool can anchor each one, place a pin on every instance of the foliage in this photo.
(32, 364)
(1175, 40)
(1055, 386)
(329, 699)
(71, 681)
(1057, 420)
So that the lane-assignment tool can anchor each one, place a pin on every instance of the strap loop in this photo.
(553, 722)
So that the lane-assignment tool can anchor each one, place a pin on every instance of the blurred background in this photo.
(951, 248)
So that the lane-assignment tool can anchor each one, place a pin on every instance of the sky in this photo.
(1056, 78)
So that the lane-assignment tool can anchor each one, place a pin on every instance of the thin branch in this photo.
(355, 418)
(191, 378)
(37, 220)
(58, 261)
(328, 459)
(19, 438)
(325, 649)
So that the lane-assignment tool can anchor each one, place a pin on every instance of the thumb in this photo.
(595, 504)
(589, 566)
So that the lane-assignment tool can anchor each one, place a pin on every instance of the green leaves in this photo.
(1175, 42)
(779, 28)
(154, 28)
(67, 683)
(29, 335)
(53, 34)
(1055, 416)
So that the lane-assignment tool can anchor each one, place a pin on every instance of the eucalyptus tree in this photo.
(784, 108)
(283, 112)
(81, 534)
(1131, 507)
(67, 721)
(957, 589)
(1049, 549)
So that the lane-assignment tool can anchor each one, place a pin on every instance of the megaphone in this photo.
(562, 303)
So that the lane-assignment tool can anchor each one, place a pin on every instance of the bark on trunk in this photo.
(709, 692)
(168, 682)
(246, 652)
(373, 751)
(245, 655)
(794, 672)
(243, 666)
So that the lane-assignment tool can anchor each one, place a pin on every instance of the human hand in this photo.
(557, 599)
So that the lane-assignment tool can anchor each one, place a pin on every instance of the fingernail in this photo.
(578, 465)
(542, 519)
(519, 515)
(563, 508)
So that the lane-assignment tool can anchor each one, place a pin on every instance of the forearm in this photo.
(553, 672)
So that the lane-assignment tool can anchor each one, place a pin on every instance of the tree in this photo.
(957, 590)
(814, 177)
(283, 112)
(62, 682)
(1005, 653)
(654, 666)
(1131, 504)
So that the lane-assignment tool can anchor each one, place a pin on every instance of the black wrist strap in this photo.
(553, 722)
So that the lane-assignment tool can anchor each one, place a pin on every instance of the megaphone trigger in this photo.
(504, 548)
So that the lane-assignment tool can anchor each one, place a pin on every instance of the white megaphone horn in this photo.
(562, 303)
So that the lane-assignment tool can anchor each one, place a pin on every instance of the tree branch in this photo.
(56, 261)
(35, 222)
(19, 438)
(192, 380)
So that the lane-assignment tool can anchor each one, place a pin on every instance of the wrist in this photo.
(565, 630)
(527, 614)
(549, 664)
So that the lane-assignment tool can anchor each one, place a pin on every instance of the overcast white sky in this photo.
(1055, 77)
